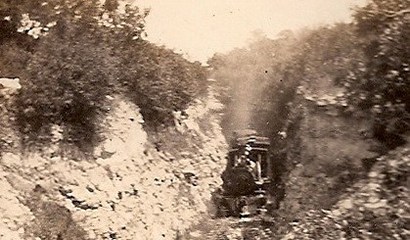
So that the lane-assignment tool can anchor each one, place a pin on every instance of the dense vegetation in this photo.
(72, 55)
(368, 58)
(383, 84)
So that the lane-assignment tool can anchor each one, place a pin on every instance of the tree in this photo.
(384, 86)
(82, 52)
(67, 78)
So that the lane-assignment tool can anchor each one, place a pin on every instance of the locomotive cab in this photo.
(252, 152)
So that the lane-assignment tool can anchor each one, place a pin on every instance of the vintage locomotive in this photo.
(247, 178)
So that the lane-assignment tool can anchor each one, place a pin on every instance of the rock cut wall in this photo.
(128, 189)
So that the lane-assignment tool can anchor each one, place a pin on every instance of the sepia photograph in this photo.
(204, 120)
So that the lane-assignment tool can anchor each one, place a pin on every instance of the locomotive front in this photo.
(247, 177)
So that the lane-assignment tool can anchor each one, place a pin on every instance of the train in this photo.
(247, 178)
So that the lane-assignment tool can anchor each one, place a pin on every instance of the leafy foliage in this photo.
(67, 93)
(159, 81)
(383, 84)
(78, 53)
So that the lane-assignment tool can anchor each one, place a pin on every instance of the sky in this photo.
(200, 28)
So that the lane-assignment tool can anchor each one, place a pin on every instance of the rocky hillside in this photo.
(340, 183)
(376, 207)
(329, 148)
(128, 189)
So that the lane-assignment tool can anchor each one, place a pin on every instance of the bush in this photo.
(160, 81)
(382, 85)
(65, 83)
(83, 53)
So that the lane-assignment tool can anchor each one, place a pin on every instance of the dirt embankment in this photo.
(134, 186)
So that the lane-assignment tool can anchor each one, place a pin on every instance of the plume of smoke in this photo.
(252, 80)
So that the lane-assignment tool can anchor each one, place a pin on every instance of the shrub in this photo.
(65, 83)
(382, 85)
(83, 53)
(160, 81)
